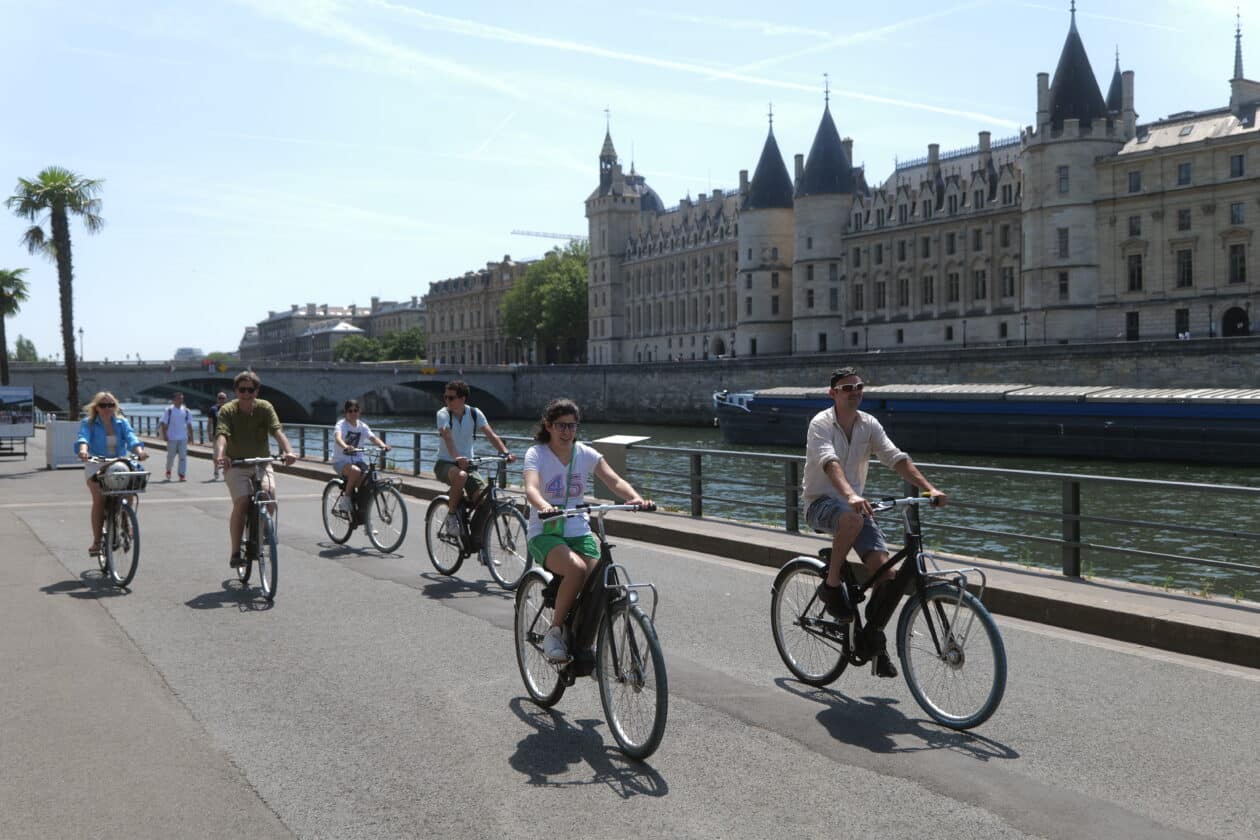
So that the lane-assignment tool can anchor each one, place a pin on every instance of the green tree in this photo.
(357, 348)
(25, 350)
(59, 193)
(12, 295)
(403, 344)
(548, 308)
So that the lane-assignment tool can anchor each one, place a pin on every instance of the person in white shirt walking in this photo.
(838, 449)
(176, 429)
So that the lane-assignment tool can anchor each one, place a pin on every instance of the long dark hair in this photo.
(556, 408)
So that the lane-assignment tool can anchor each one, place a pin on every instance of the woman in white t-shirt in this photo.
(352, 434)
(557, 475)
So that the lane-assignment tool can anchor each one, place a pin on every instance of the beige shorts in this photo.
(237, 481)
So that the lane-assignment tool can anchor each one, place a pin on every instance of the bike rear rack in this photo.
(627, 589)
(958, 576)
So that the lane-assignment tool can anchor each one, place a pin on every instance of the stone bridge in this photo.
(310, 392)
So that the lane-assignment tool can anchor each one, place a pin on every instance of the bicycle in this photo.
(377, 505)
(627, 661)
(495, 530)
(258, 543)
(935, 641)
(120, 531)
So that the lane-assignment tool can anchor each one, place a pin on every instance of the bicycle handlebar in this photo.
(890, 502)
(578, 510)
(105, 459)
(249, 462)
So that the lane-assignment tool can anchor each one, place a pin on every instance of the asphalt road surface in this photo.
(377, 699)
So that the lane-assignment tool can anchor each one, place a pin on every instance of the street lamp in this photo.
(1211, 323)
(80, 342)
(964, 332)
(866, 339)
(705, 348)
(1025, 330)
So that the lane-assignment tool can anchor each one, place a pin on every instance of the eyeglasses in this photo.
(107, 405)
(246, 390)
(449, 397)
(849, 386)
(566, 427)
(352, 411)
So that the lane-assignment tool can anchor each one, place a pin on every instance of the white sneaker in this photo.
(553, 646)
(450, 526)
(343, 504)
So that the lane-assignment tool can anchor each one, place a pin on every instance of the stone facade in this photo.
(311, 333)
(463, 318)
(1086, 227)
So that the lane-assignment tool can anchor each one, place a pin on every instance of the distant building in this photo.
(311, 332)
(464, 322)
(387, 316)
(1088, 226)
(189, 354)
(249, 350)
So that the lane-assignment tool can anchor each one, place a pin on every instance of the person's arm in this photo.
(533, 491)
(166, 415)
(907, 470)
(382, 444)
(617, 484)
(188, 417)
(81, 443)
(286, 451)
(133, 443)
(497, 442)
(338, 439)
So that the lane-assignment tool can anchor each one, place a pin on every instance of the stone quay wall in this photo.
(680, 393)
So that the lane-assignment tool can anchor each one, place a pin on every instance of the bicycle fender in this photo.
(796, 562)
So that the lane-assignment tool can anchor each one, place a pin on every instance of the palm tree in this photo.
(59, 192)
(12, 296)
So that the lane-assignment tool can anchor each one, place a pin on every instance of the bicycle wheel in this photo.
(268, 555)
(813, 645)
(337, 522)
(445, 552)
(385, 518)
(503, 546)
(952, 656)
(121, 548)
(633, 686)
(533, 617)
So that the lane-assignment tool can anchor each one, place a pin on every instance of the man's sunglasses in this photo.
(449, 397)
(849, 386)
(107, 405)
(246, 390)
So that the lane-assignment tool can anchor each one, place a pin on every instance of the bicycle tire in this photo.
(121, 548)
(504, 546)
(633, 685)
(813, 646)
(385, 519)
(532, 618)
(962, 688)
(102, 539)
(445, 556)
(268, 556)
(337, 523)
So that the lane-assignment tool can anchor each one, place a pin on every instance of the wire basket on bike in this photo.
(120, 479)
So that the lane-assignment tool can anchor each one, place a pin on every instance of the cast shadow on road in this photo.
(332, 551)
(873, 723)
(446, 587)
(91, 585)
(547, 755)
(232, 594)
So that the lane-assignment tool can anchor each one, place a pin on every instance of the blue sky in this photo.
(259, 153)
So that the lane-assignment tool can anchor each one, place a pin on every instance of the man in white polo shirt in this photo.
(838, 450)
(176, 429)
(457, 425)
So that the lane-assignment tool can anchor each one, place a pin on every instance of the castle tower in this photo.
(764, 278)
(1060, 220)
(614, 212)
(1244, 94)
(824, 202)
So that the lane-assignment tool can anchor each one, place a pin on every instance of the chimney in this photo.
(1128, 112)
(847, 143)
(415, 300)
(743, 182)
(1043, 99)
(985, 140)
(800, 167)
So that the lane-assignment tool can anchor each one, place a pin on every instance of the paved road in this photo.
(376, 699)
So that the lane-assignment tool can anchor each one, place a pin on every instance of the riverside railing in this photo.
(1078, 523)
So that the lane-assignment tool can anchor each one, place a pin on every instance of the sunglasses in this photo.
(107, 405)
(449, 397)
(854, 386)
(352, 411)
(246, 390)
(566, 427)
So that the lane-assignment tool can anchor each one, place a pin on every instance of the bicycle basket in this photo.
(119, 479)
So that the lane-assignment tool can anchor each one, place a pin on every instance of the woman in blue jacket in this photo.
(106, 434)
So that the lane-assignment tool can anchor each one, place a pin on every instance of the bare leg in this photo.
(847, 530)
(240, 509)
(98, 511)
(458, 478)
(353, 475)
(562, 560)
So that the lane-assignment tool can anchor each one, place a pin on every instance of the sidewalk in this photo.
(1212, 628)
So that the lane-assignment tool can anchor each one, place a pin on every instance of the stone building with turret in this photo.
(1088, 226)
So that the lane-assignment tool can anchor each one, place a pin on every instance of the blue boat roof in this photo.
(1016, 392)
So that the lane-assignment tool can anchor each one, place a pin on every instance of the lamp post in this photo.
(866, 339)
(80, 342)
(964, 332)
(1211, 322)
(1025, 330)
(705, 348)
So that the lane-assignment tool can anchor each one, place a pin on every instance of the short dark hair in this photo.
(246, 376)
(841, 373)
(349, 404)
(555, 409)
(460, 387)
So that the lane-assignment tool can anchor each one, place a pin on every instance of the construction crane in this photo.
(572, 237)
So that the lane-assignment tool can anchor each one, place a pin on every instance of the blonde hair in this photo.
(93, 411)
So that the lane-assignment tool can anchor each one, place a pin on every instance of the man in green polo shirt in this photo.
(242, 431)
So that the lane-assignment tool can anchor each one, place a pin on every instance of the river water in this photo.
(752, 489)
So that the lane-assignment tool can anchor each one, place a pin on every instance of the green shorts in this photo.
(541, 545)
(472, 486)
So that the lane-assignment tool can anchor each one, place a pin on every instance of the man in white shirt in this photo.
(838, 449)
(176, 429)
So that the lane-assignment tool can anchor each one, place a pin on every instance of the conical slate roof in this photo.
(827, 169)
(1074, 93)
(771, 185)
(1114, 93)
(608, 151)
